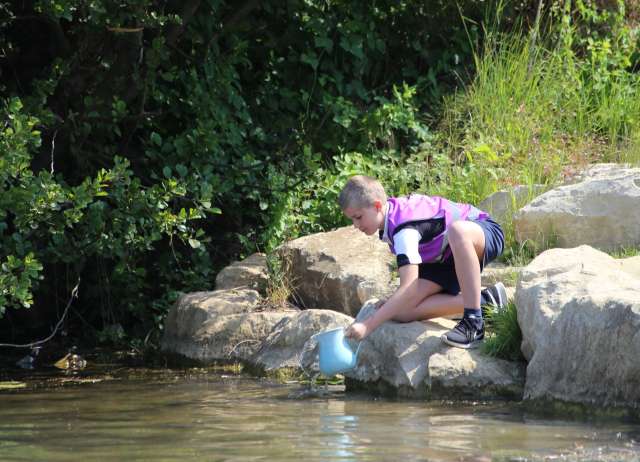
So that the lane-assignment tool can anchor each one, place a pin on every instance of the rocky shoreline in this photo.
(578, 308)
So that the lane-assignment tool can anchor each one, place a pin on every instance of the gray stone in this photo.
(337, 270)
(601, 211)
(192, 310)
(222, 325)
(469, 374)
(250, 273)
(411, 359)
(290, 344)
(231, 338)
(501, 205)
(579, 312)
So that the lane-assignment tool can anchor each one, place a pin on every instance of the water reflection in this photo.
(207, 417)
(338, 429)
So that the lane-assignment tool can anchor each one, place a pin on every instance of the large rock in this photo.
(194, 309)
(338, 270)
(579, 312)
(501, 205)
(231, 325)
(409, 359)
(250, 273)
(601, 211)
(291, 345)
(223, 325)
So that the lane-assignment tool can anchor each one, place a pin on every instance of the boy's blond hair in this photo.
(361, 191)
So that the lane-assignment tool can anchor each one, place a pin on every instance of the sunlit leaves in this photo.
(111, 215)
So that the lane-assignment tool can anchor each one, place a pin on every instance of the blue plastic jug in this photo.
(336, 354)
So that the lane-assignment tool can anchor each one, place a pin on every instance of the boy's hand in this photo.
(356, 331)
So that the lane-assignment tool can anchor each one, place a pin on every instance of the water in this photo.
(199, 415)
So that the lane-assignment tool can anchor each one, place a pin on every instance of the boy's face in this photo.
(368, 219)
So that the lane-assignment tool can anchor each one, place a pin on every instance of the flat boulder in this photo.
(579, 312)
(600, 210)
(250, 273)
(221, 325)
(290, 344)
(337, 270)
(410, 360)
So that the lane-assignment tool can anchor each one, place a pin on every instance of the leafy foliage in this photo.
(147, 144)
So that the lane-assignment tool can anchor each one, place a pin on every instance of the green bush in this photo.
(163, 139)
(147, 144)
(112, 219)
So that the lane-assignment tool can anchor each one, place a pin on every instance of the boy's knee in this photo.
(466, 234)
(457, 233)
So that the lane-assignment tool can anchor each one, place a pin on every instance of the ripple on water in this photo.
(211, 417)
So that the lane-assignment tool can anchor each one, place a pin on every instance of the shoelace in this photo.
(466, 328)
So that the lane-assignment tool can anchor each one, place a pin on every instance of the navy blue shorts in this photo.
(444, 273)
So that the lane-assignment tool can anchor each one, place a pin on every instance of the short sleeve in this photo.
(405, 244)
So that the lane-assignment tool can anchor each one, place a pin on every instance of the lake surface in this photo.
(199, 415)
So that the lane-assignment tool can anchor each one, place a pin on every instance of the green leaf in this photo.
(310, 59)
(156, 139)
(182, 170)
(324, 42)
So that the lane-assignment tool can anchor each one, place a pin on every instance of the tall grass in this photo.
(539, 108)
(534, 114)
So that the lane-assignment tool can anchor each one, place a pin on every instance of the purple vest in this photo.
(417, 207)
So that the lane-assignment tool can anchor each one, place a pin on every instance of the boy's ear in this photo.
(377, 204)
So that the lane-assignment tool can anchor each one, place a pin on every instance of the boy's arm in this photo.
(406, 295)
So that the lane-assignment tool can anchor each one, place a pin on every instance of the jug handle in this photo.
(358, 348)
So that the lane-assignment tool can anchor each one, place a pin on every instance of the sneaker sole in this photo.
(466, 346)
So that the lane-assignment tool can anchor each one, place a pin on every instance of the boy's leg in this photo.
(434, 304)
(467, 242)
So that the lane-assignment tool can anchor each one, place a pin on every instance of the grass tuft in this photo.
(503, 334)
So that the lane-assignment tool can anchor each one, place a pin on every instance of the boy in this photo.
(441, 248)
